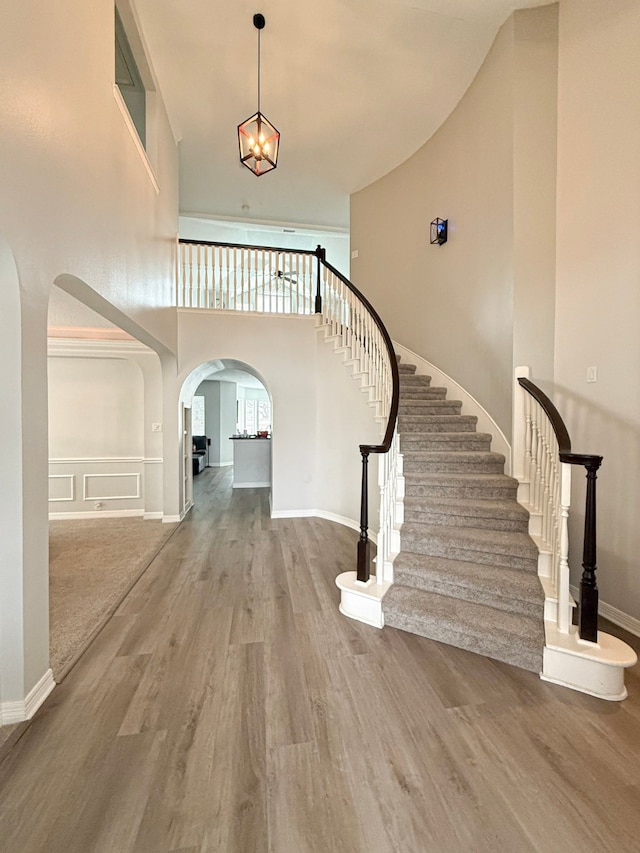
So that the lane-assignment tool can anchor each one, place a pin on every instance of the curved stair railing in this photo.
(542, 462)
(257, 279)
(355, 321)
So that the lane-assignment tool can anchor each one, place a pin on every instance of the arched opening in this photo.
(105, 390)
(226, 415)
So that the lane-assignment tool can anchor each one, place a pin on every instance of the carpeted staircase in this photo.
(467, 571)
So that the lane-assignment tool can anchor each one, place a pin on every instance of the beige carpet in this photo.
(92, 566)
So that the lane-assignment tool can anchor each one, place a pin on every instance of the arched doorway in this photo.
(226, 415)
(105, 394)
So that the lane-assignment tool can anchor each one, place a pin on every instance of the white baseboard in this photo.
(18, 712)
(220, 464)
(618, 617)
(323, 513)
(171, 519)
(294, 513)
(252, 485)
(152, 516)
(105, 513)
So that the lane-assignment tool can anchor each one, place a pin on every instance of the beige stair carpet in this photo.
(467, 571)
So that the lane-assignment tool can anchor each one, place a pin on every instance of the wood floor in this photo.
(229, 707)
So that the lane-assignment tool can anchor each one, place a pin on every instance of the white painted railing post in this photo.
(564, 599)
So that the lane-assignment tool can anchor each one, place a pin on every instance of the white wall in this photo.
(77, 201)
(104, 398)
(344, 421)
(282, 350)
(96, 408)
(598, 276)
(464, 306)
(319, 416)
(220, 419)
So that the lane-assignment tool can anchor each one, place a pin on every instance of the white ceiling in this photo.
(353, 86)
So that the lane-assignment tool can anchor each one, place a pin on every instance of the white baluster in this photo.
(564, 609)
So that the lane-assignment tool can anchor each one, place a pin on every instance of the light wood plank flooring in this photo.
(229, 707)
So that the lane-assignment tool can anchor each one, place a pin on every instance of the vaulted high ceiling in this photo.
(353, 86)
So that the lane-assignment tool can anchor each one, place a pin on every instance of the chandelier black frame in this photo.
(258, 139)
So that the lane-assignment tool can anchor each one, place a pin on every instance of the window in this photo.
(129, 82)
(197, 416)
(254, 415)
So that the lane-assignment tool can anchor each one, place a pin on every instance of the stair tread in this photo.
(475, 478)
(426, 418)
(452, 435)
(427, 403)
(498, 580)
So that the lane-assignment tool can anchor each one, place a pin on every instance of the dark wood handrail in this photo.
(186, 242)
(363, 572)
(588, 605)
(562, 434)
(385, 446)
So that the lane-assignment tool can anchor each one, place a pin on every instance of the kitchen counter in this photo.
(251, 461)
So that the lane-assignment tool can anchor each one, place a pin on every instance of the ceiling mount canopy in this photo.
(258, 139)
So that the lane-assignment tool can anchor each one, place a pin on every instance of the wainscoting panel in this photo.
(106, 486)
(111, 487)
(62, 487)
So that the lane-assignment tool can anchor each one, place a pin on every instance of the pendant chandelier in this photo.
(258, 139)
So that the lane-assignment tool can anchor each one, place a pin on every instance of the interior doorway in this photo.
(105, 396)
(231, 419)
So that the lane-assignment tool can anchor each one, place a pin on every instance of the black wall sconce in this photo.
(439, 231)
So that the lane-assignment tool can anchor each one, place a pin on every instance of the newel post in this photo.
(588, 609)
(364, 546)
(321, 256)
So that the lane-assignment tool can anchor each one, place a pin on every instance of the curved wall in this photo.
(463, 305)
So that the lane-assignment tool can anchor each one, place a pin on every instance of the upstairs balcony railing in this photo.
(257, 279)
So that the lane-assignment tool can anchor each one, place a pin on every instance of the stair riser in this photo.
(442, 490)
(410, 380)
(434, 466)
(437, 424)
(438, 443)
(428, 407)
(422, 393)
(435, 630)
(432, 548)
(476, 522)
(477, 594)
